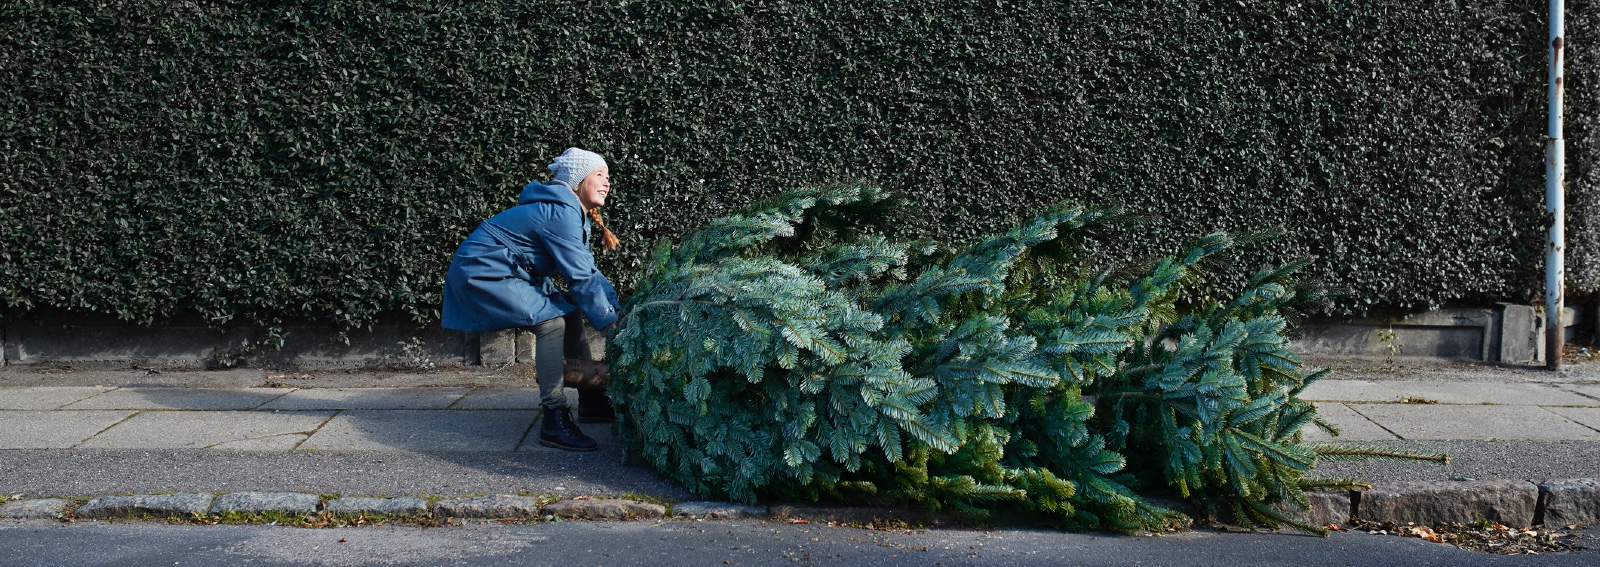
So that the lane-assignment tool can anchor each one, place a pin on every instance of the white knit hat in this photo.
(575, 164)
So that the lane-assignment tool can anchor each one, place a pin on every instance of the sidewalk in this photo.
(1366, 410)
(443, 433)
(465, 432)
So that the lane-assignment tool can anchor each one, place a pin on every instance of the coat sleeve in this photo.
(590, 290)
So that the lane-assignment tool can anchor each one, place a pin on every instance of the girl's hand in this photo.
(621, 316)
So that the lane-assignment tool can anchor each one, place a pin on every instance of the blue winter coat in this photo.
(500, 277)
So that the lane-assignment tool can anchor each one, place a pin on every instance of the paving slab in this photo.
(1352, 426)
(1430, 421)
(1590, 390)
(1589, 417)
(366, 398)
(54, 429)
(500, 398)
(1518, 393)
(199, 429)
(287, 502)
(422, 430)
(45, 397)
(181, 398)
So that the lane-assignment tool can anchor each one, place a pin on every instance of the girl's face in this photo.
(593, 189)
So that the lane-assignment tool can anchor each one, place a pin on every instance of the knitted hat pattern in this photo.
(575, 164)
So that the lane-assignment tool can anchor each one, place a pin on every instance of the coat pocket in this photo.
(487, 262)
(496, 290)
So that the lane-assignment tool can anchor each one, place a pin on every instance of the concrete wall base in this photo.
(1507, 333)
(100, 341)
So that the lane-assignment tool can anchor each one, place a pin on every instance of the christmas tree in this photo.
(794, 351)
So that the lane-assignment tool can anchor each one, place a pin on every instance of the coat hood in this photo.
(556, 192)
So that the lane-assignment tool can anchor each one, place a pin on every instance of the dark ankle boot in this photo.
(595, 407)
(556, 429)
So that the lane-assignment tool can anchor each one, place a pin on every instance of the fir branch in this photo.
(1267, 513)
(1352, 452)
(1326, 484)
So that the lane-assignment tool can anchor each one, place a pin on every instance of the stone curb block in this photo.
(497, 506)
(718, 510)
(146, 504)
(356, 506)
(1510, 502)
(605, 509)
(1326, 508)
(34, 508)
(286, 502)
(1571, 501)
(853, 514)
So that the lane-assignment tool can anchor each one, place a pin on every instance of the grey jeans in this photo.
(548, 364)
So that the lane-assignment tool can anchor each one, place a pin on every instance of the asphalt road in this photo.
(42, 543)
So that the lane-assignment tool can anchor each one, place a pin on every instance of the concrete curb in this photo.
(501, 506)
(1515, 503)
(718, 510)
(248, 502)
(36, 508)
(1509, 502)
(157, 505)
(1512, 502)
(605, 509)
(364, 506)
(300, 503)
(497, 506)
(1574, 501)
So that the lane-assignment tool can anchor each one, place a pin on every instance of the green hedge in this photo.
(1583, 150)
(320, 160)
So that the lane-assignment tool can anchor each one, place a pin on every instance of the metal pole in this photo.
(1554, 197)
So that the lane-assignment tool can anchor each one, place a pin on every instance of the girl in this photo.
(500, 279)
